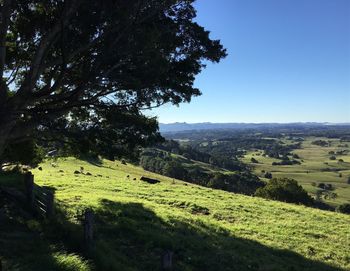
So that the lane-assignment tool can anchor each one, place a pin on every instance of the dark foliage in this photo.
(322, 143)
(326, 186)
(268, 175)
(162, 162)
(88, 68)
(253, 160)
(26, 152)
(287, 190)
(286, 162)
(344, 208)
(244, 183)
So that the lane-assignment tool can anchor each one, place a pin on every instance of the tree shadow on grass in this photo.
(27, 243)
(131, 237)
(22, 244)
(95, 161)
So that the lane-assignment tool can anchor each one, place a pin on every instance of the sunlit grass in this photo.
(198, 223)
(314, 168)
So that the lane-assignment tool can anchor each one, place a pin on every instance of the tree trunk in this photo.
(3, 139)
(5, 130)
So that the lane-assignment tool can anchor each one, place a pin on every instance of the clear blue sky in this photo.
(289, 61)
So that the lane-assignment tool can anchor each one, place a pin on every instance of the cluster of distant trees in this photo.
(288, 190)
(321, 143)
(184, 150)
(286, 161)
(279, 151)
(236, 146)
(344, 208)
(163, 162)
(216, 158)
(226, 151)
(285, 189)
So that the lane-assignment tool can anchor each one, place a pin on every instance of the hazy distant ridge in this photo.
(183, 126)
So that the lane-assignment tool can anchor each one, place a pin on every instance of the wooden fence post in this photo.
(88, 228)
(50, 205)
(29, 186)
(167, 260)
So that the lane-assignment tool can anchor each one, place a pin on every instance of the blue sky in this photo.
(289, 61)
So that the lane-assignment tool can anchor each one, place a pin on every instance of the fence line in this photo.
(39, 199)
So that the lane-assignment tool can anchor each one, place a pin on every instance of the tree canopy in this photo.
(89, 66)
(284, 189)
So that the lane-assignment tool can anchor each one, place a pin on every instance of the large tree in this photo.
(68, 60)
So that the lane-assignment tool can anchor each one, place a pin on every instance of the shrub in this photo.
(344, 208)
(325, 186)
(329, 195)
(321, 185)
(286, 162)
(322, 143)
(26, 152)
(332, 157)
(295, 156)
(284, 189)
(268, 175)
(253, 160)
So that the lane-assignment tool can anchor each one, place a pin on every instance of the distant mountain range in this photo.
(183, 126)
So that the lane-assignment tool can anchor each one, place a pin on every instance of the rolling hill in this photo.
(135, 222)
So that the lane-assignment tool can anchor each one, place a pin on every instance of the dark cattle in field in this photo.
(149, 180)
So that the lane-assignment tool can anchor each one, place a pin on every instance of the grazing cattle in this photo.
(134, 179)
(149, 180)
(40, 168)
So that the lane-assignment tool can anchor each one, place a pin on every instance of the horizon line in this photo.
(295, 122)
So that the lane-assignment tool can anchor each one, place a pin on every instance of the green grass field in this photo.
(136, 221)
(316, 167)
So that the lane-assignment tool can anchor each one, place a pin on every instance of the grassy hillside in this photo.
(206, 229)
(315, 167)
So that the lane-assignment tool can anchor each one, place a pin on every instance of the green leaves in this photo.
(108, 58)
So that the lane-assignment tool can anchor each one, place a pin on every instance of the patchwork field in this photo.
(316, 167)
(136, 222)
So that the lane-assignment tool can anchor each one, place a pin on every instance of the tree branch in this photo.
(45, 44)
(5, 19)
